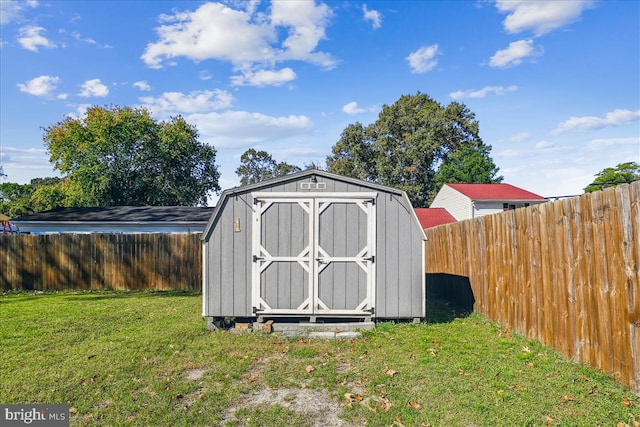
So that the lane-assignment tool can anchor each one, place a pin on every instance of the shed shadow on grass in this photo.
(448, 297)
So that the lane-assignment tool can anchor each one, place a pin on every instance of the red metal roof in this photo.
(494, 192)
(430, 217)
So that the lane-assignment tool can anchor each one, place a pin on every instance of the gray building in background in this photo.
(313, 245)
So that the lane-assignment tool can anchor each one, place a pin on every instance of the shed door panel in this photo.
(283, 256)
(344, 255)
(314, 256)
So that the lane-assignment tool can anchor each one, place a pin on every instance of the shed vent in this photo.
(313, 185)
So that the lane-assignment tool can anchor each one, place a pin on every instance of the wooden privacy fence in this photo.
(101, 261)
(565, 273)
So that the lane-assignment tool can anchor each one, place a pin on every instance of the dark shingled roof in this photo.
(123, 214)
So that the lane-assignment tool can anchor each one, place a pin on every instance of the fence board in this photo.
(564, 273)
(101, 261)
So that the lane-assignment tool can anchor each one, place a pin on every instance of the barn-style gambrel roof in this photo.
(294, 177)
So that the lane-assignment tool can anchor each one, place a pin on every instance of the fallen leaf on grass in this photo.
(309, 369)
(626, 402)
(349, 398)
(399, 422)
(414, 405)
(391, 372)
(384, 403)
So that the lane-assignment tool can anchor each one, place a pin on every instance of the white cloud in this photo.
(142, 85)
(81, 111)
(264, 77)
(546, 147)
(538, 149)
(515, 54)
(10, 10)
(422, 60)
(93, 88)
(239, 129)
(497, 90)
(31, 39)
(76, 35)
(614, 118)
(243, 37)
(609, 143)
(306, 23)
(352, 108)
(40, 86)
(372, 15)
(213, 31)
(520, 137)
(172, 103)
(204, 75)
(538, 16)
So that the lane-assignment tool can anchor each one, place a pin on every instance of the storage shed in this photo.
(313, 246)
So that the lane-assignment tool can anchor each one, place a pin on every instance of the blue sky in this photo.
(554, 85)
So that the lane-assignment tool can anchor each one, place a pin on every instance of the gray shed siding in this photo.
(399, 263)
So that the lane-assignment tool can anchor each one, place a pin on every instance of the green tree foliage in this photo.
(470, 164)
(256, 166)
(121, 156)
(610, 177)
(404, 147)
(353, 154)
(22, 199)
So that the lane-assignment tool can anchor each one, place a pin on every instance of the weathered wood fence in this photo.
(565, 273)
(101, 261)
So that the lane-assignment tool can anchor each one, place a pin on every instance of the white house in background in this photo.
(466, 201)
(117, 219)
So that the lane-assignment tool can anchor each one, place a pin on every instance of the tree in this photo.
(470, 164)
(121, 156)
(20, 199)
(256, 166)
(610, 177)
(353, 154)
(403, 148)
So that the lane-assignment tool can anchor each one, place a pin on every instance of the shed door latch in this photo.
(256, 258)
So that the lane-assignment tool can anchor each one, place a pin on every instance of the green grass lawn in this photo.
(146, 359)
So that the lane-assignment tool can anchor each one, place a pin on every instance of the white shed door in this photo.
(314, 254)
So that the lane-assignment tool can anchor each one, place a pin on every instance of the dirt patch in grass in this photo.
(195, 374)
(316, 405)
